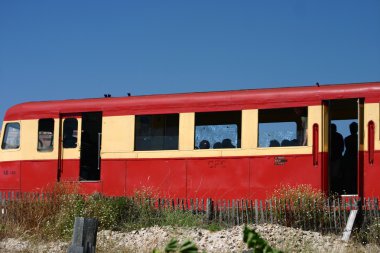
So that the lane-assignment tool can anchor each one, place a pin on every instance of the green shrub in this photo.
(108, 211)
(256, 243)
(369, 233)
(173, 247)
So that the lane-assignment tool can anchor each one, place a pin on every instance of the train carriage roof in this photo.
(198, 101)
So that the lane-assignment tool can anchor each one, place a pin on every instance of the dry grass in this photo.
(31, 214)
(51, 215)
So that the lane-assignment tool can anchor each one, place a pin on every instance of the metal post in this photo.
(84, 236)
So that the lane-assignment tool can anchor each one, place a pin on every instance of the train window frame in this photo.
(5, 135)
(229, 141)
(147, 127)
(70, 142)
(40, 143)
(299, 116)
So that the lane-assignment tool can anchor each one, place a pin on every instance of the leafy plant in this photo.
(256, 243)
(173, 247)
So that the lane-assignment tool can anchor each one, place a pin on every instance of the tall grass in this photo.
(32, 214)
(52, 216)
(299, 205)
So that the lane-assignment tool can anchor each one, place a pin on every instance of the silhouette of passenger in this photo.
(351, 159)
(217, 145)
(274, 143)
(204, 144)
(351, 141)
(337, 147)
(337, 144)
(227, 143)
(286, 143)
(294, 142)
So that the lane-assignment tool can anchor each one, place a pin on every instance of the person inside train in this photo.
(274, 143)
(227, 143)
(337, 147)
(286, 143)
(217, 145)
(350, 159)
(294, 142)
(204, 144)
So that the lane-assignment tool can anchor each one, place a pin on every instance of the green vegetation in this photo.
(173, 247)
(256, 243)
(370, 232)
(52, 217)
(250, 237)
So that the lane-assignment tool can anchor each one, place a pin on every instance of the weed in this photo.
(256, 243)
(173, 247)
(213, 227)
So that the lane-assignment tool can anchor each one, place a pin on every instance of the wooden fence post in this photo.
(209, 210)
(84, 236)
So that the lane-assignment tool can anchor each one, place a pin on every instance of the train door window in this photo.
(283, 127)
(214, 130)
(70, 133)
(11, 139)
(156, 132)
(45, 135)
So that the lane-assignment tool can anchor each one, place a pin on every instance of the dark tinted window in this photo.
(283, 127)
(11, 139)
(70, 133)
(45, 135)
(217, 130)
(156, 132)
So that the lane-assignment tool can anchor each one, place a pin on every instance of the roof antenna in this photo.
(317, 84)
(129, 94)
(107, 95)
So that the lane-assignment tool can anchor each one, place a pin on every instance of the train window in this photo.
(156, 132)
(11, 139)
(45, 135)
(283, 127)
(217, 130)
(70, 133)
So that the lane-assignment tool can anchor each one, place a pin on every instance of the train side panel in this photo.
(10, 175)
(218, 178)
(371, 175)
(160, 177)
(37, 175)
(271, 172)
(113, 176)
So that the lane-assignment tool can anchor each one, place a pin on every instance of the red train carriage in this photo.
(231, 144)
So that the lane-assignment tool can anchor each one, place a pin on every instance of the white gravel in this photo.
(228, 240)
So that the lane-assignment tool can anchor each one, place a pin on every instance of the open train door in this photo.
(343, 137)
(80, 146)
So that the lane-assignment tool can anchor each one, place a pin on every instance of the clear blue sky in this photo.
(79, 49)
